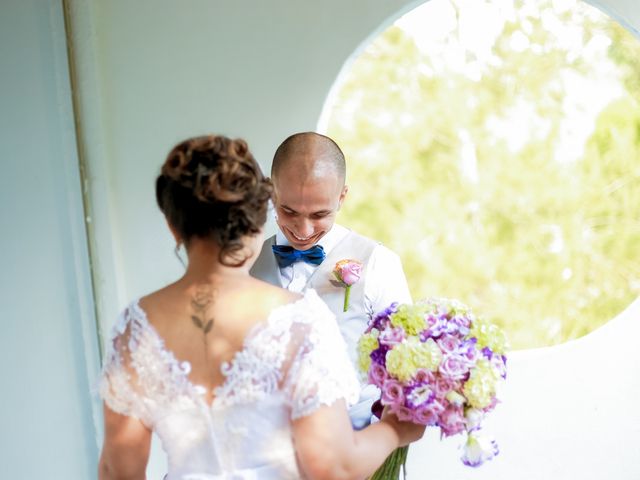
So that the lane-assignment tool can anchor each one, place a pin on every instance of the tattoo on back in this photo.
(200, 305)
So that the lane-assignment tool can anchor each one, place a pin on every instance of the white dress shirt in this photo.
(384, 282)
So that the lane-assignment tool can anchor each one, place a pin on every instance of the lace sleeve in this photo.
(118, 385)
(320, 372)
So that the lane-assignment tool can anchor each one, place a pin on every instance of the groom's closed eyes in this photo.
(292, 213)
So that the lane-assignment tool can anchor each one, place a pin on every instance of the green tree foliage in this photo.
(471, 176)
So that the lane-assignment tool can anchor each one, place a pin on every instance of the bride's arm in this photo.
(328, 447)
(125, 451)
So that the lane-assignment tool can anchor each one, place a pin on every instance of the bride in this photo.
(239, 379)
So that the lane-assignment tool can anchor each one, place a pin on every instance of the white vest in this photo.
(353, 322)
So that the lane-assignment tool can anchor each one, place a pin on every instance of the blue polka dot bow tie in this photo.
(286, 255)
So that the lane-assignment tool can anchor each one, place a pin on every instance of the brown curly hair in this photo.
(211, 187)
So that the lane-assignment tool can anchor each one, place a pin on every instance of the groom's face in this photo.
(306, 209)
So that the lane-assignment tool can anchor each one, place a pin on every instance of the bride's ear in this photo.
(174, 232)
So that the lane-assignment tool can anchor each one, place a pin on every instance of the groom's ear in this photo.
(343, 194)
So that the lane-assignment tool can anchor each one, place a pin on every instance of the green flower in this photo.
(401, 363)
(367, 344)
(481, 386)
(410, 318)
(426, 355)
(489, 335)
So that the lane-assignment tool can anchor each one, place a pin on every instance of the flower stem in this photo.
(346, 298)
(390, 469)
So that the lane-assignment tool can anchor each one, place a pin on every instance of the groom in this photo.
(308, 174)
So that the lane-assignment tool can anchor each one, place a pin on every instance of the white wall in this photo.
(568, 412)
(48, 347)
(152, 72)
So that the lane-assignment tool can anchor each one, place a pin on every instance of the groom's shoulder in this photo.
(265, 258)
(364, 239)
(268, 242)
(377, 245)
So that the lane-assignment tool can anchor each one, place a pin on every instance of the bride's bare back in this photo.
(206, 323)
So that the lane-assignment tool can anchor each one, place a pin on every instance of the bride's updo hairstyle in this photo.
(211, 187)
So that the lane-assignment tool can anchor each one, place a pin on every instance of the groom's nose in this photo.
(305, 228)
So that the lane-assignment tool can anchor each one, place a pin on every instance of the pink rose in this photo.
(428, 414)
(377, 374)
(349, 271)
(404, 414)
(424, 376)
(452, 420)
(443, 385)
(454, 367)
(448, 343)
(392, 393)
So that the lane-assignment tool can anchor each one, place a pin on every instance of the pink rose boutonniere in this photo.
(347, 272)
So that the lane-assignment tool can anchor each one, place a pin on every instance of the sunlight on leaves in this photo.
(495, 146)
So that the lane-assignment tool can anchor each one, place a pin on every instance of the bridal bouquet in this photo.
(437, 364)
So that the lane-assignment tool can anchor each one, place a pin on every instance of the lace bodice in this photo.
(290, 365)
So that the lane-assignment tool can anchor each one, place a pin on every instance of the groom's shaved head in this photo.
(309, 155)
(308, 175)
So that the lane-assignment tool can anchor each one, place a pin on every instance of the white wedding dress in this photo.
(290, 364)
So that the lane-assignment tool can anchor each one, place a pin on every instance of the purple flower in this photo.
(391, 336)
(441, 324)
(498, 362)
(379, 355)
(479, 449)
(504, 363)
(381, 319)
(468, 350)
(424, 335)
(454, 367)
(474, 418)
(462, 324)
(392, 393)
(454, 329)
(377, 374)
(418, 395)
(437, 325)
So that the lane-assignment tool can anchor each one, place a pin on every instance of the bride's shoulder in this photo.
(131, 322)
(312, 301)
(305, 309)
